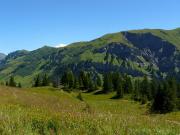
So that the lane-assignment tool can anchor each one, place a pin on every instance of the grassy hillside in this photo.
(173, 36)
(25, 65)
(52, 111)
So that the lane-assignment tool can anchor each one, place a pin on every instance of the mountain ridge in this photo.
(153, 52)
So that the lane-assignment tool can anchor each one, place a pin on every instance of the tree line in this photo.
(162, 95)
(11, 82)
(41, 80)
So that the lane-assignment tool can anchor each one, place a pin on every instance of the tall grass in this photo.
(48, 111)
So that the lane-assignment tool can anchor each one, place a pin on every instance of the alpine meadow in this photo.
(121, 83)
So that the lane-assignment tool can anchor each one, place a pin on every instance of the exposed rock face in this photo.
(155, 50)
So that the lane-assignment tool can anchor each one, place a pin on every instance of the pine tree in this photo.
(119, 91)
(136, 92)
(95, 86)
(84, 80)
(37, 81)
(64, 79)
(127, 86)
(145, 89)
(70, 79)
(91, 85)
(116, 80)
(117, 85)
(99, 81)
(107, 84)
(178, 90)
(45, 80)
(90, 81)
(173, 85)
(80, 82)
(7, 83)
(12, 82)
(164, 100)
(76, 83)
(154, 87)
(19, 85)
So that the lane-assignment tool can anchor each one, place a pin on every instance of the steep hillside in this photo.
(153, 52)
(25, 64)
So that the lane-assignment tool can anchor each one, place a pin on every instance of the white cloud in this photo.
(61, 45)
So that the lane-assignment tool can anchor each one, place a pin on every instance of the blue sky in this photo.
(30, 24)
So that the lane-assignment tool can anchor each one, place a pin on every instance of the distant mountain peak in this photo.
(2, 56)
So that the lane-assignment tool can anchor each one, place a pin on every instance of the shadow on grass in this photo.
(116, 97)
(99, 92)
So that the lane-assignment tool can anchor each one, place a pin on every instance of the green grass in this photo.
(52, 111)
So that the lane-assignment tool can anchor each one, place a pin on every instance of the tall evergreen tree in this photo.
(84, 80)
(128, 86)
(70, 79)
(99, 81)
(136, 91)
(76, 83)
(119, 87)
(91, 86)
(173, 84)
(12, 82)
(145, 89)
(7, 83)
(64, 79)
(164, 100)
(107, 83)
(116, 79)
(178, 90)
(37, 81)
(45, 80)
(154, 86)
(80, 81)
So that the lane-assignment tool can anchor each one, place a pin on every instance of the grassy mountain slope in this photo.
(25, 64)
(172, 36)
(153, 52)
(52, 111)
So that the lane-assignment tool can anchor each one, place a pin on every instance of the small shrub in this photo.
(80, 97)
